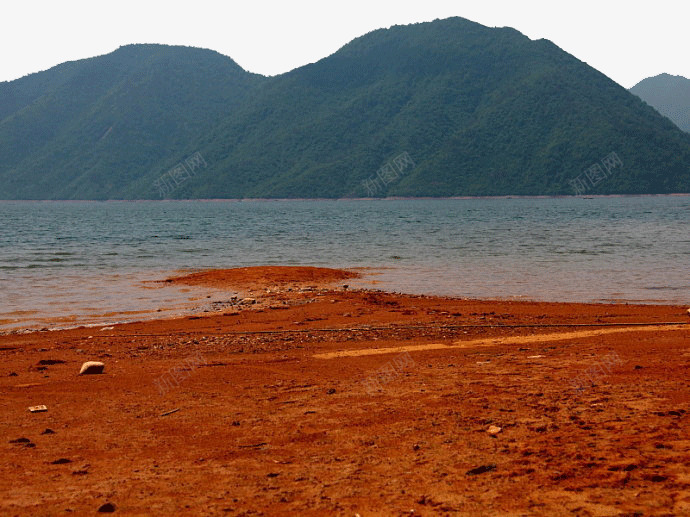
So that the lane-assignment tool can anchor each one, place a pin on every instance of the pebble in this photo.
(107, 508)
(494, 429)
(481, 469)
(91, 367)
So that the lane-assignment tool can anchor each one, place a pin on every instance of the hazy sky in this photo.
(626, 41)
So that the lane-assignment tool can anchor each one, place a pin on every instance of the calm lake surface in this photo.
(64, 263)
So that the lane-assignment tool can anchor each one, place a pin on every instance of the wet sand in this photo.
(305, 397)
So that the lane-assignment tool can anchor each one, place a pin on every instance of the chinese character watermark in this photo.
(595, 373)
(180, 173)
(173, 377)
(595, 174)
(388, 174)
(387, 373)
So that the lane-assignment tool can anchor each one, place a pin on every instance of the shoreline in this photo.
(199, 307)
(392, 198)
(314, 398)
(211, 293)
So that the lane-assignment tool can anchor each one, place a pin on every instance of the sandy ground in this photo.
(308, 398)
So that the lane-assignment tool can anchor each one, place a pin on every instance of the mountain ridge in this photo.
(669, 95)
(478, 111)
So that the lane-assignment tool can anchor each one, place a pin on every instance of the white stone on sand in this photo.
(91, 367)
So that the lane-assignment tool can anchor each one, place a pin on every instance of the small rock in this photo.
(50, 362)
(38, 409)
(14, 374)
(638, 367)
(248, 301)
(481, 469)
(91, 367)
(331, 391)
(48, 431)
(20, 440)
(61, 461)
(494, 429)
(107, 508)
(656, 478)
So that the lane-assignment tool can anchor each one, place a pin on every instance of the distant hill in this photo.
(445, 108)
(669, 95)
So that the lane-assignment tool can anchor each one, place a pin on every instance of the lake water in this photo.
(63, 263)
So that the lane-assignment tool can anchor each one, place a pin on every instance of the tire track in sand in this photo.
(511, 340)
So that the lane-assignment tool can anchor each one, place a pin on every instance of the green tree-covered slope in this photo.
(445, 108)
(91, 129)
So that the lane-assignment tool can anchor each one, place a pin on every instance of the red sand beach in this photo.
(306, 397)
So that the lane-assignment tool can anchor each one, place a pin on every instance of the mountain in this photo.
(445, 108)
(93, 128)
(669, 95)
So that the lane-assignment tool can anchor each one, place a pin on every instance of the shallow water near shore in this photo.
(65, 263)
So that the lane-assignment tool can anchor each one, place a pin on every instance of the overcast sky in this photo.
(626, 41)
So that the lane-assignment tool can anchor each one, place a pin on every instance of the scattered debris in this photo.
(170, 412)
(38, 409)
(494, 429)
(91, 368)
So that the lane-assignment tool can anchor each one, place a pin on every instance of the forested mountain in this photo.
(91, 129)
(444, 108)
(669, 95)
